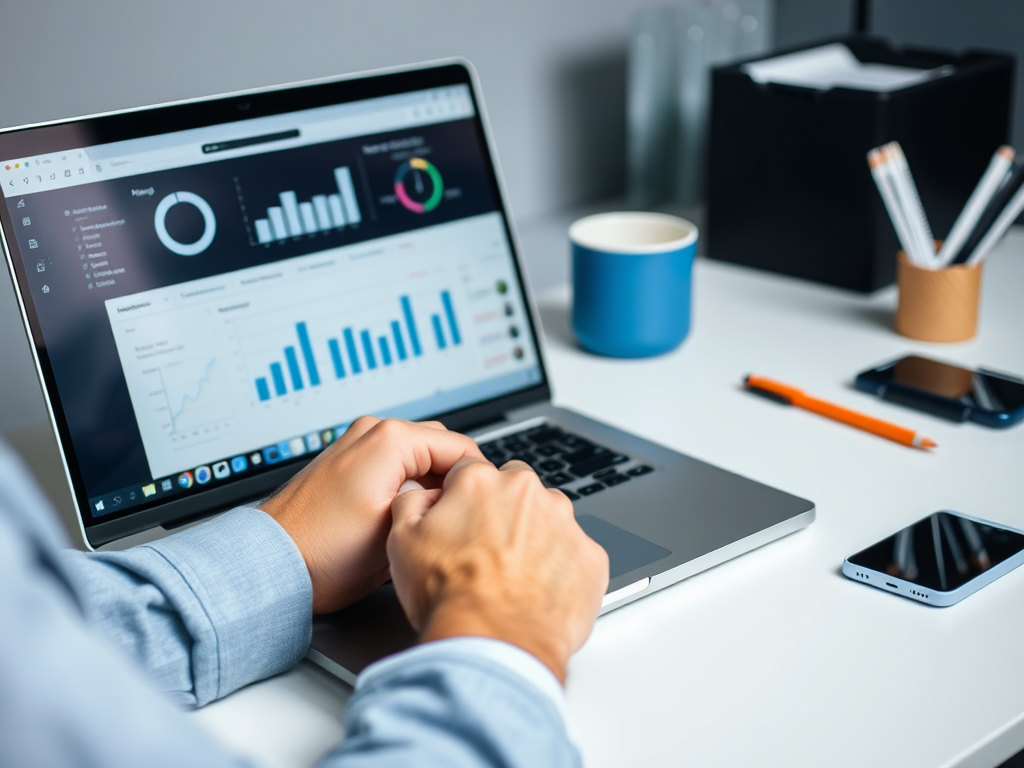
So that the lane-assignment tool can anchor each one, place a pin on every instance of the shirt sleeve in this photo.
(463, 702)
(205, 611)
(67, 697)
(214, 596)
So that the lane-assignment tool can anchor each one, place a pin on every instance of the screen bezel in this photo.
(156, 120)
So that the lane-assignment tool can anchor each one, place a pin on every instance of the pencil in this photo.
(916, 217)
(789, 395)
(998, 229)
(995, 174)
(995, 207)
(886, 187)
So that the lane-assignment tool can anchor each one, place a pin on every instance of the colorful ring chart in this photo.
(209, 223)
(418, 163)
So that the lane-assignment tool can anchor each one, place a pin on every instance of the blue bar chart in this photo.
(371, 359)
(438, 331)
(353, 351)
(339, 366)
(449, 312)
(321, 213)
(307, 354)
(278, 375)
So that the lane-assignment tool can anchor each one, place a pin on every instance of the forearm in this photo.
(204, 611)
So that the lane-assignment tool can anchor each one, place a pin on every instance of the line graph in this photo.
(180, 378)
(187, 397)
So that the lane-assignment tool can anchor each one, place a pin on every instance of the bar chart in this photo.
(353, 351)
(321, 213)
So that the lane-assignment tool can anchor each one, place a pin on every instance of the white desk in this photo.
(774, 658)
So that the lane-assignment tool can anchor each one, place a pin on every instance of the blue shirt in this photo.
(89, 642)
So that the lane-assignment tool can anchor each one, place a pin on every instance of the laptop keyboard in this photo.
(564, 460)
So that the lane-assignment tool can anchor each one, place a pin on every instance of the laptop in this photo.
(215, 289)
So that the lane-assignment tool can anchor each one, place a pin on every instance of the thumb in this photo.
(409, 507)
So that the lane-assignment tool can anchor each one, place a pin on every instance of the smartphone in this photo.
(955, 393)
(939, 560)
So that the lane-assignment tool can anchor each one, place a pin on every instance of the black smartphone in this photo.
(955, 393)
(939, 560)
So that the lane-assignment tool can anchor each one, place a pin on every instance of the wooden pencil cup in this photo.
(937, 304)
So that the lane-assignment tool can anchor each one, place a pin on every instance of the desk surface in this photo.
(774, 658)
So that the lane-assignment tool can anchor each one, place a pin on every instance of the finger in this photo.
(409, 507)
(563, 501)
(432, 425)
(418, 449)
(465, 465)
(356, 430)
(410, 485)
(515, 465)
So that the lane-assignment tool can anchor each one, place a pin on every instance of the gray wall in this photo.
(798, 21)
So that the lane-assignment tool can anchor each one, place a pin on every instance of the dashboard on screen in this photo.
(215, 302)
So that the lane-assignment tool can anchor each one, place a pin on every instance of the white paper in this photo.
(835, 66)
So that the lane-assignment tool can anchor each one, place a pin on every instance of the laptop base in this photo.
(700, 515)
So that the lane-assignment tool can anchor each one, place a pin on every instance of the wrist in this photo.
(469, 617)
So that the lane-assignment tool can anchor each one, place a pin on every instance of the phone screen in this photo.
(942, 552)
(982, 390)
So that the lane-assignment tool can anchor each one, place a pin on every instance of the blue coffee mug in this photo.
(632, 282)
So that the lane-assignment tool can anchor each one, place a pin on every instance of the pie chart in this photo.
(418, 185)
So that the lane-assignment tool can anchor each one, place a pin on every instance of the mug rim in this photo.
(579, 236)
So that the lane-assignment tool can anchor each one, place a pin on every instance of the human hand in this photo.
(338, 508)
(496, 554)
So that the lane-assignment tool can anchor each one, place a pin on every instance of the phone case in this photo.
(942, 407)
(937, 598)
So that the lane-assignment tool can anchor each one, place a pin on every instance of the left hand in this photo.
(496, 554)
(337, 510)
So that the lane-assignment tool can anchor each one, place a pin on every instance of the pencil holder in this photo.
(937, 304)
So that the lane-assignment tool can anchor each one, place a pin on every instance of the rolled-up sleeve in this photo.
(204, 611)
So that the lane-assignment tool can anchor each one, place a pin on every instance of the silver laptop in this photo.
(215, 289)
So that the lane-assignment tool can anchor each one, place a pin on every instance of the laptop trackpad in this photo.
(626, 551)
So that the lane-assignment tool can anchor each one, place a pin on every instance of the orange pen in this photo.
(788, 395)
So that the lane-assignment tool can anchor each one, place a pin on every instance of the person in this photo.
(490, 567)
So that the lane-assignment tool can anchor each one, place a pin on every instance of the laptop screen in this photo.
(215, 302)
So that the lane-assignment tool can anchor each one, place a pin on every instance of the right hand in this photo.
(338, 509)
(496, 554)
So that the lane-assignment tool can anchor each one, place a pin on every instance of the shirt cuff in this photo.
(512, 658)
(254, 590)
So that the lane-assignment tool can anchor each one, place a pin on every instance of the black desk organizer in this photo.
(789, 189)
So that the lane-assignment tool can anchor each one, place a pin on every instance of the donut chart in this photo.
(209, 224)
(433, 177)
